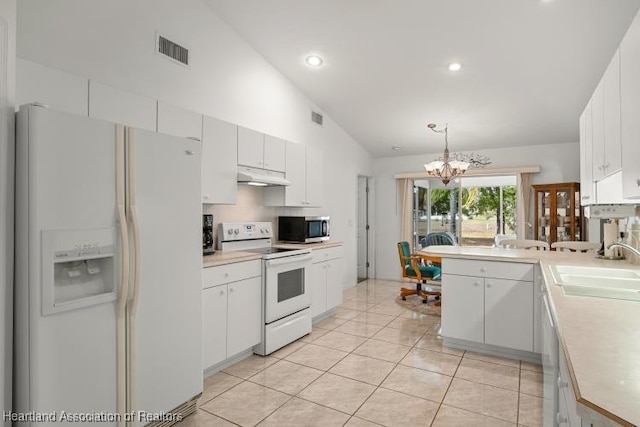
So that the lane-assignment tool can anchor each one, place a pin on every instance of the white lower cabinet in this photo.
(231, 311)
(463, 313)
(495, 306)
(326, 286)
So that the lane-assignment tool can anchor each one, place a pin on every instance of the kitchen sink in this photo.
(616, 283)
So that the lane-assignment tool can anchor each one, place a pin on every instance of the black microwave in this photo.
(303, 229)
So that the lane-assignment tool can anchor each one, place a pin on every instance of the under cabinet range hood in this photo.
(261, 177)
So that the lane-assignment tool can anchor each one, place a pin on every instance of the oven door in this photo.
(287, 283)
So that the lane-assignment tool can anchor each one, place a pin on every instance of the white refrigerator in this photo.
(108, 265)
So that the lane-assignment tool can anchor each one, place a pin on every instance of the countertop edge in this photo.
(224, 258)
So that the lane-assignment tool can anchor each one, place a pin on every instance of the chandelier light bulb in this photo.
(455, 66)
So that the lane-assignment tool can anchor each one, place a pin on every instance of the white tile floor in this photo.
(373, 363)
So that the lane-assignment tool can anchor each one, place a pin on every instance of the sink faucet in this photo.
(625, 246)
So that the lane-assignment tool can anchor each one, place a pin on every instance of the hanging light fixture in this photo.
(445, 169)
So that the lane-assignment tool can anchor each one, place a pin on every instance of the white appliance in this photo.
(550, 364)
(108, 265)
(286, 283)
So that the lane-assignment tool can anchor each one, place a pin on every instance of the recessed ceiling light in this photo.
(454, 66)
(313, 60)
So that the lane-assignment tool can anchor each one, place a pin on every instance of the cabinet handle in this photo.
(221, 291)
(230, 289)
(560, 419)
(226, 274)
(562, 383)
(543, 291)
(638, 182)
(483, 270)
(605, 166)
(476, 283)
(489, 285)
(588, 197)
(600, 167)
(205, 196)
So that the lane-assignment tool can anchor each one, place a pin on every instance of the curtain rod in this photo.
(474, 172)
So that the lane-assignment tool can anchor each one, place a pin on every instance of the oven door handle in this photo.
(288, 260)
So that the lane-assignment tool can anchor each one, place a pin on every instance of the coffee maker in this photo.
(207, 235)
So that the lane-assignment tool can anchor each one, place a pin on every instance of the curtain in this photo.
(523, 205)
(405, 192)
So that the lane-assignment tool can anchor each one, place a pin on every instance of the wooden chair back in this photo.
(576, 246)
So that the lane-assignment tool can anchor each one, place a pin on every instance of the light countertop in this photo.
(321, 245)
(600, 337)
(229, 257)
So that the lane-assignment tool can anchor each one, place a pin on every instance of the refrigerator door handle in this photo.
(123, 289)
(132, 304)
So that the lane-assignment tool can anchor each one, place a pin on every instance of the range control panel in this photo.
(234, 231)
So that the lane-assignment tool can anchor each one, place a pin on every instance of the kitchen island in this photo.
(599, 337)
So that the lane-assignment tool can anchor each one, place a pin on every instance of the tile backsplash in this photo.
(250, 207)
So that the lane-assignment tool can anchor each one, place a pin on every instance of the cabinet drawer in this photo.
(325, 254)
(496, 269)
(214, 276)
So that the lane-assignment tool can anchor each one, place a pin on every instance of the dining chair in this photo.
(576, 246)
(525, 244)
(414, 269)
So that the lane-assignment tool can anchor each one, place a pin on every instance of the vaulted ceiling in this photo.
(528, 66)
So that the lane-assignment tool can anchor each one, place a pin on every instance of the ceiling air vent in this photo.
(173, 50)
(316, 118)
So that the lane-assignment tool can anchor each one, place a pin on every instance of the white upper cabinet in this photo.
(119, 106)
(179, 122)
(587, 194)
(57, 89)
(274, 153)
(258, 150)
(314, 177)
(612, 149)
(295, 194)
(219, 159)
(305, 169)
(630, 110)
(598, 144)
(250, 148)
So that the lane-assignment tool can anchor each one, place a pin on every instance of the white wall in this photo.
(7, 96)
(558, 163)
(113, 42)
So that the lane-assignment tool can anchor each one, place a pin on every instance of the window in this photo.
(473, 209)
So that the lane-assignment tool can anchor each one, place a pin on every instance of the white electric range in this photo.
(286, 282)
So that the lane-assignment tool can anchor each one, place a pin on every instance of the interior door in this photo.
(166, 321)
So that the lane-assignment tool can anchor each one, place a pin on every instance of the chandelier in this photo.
(446, 169)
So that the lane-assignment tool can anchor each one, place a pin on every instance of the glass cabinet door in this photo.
(544, 215)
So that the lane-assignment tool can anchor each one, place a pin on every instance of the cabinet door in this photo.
(463, 312)
(597, 116)
(508, 313)
(179, 122)
(630, 110)
(612, 154)
(315, 177)
(57, 89)
(219, 160)
(214, 325)
(586, 158)
(244, 315)
(250, 147)
(318, 288)
(334, 283)
(274, 153)
(115, 105)
(295, 172)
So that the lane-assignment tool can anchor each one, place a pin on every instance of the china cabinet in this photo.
(558, 215)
